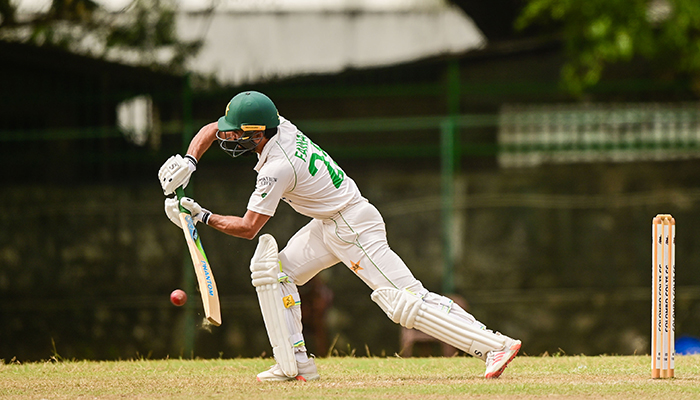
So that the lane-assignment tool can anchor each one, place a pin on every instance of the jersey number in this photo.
(337, 174)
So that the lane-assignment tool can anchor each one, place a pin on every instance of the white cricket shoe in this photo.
(497, 360)
(307, 372)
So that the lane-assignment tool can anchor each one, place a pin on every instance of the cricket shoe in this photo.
(307, 372)
(497, 360)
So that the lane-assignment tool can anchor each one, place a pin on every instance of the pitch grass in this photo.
(551, 377)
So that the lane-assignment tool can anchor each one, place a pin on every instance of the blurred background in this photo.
(518, 150)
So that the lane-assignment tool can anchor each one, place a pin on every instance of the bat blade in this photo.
(205, 277)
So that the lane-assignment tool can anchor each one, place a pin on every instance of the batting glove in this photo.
(199, 214)
(176, 172)
(172, 210)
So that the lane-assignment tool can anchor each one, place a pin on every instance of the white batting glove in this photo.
(172, 210)
(199, 214)
(176, 172)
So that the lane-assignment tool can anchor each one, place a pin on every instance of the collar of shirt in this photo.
(262, 157)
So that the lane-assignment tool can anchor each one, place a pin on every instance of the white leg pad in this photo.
(264, 268)
(410, 311)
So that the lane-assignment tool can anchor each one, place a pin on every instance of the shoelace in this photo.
(493, 357)
(489, 358)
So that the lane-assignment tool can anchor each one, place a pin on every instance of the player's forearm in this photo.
(202, 140)
(245, 227)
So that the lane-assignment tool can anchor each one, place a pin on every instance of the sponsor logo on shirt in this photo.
(266, 181)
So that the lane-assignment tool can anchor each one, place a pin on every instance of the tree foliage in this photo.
(141, 34)
(665, 34)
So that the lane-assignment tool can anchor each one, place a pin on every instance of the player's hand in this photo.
(199, 214)
(176, 172)
(172, 210)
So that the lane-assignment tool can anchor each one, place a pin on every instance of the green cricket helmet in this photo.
(250, 113)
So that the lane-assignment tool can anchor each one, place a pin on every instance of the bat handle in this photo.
(180, 192)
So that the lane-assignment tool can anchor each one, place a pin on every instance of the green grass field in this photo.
(552, 377)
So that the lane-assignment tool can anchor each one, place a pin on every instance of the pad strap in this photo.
(297, 340)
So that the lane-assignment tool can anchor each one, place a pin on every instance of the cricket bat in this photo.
(205, 277)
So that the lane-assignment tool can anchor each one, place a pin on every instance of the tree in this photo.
(142, 34)
(600, 33)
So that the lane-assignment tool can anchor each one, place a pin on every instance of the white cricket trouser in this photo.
(356, 237)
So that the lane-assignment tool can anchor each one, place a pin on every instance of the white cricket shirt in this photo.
(294, 169)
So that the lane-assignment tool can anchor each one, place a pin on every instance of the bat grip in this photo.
(180, 192)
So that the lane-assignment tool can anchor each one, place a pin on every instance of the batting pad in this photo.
(409, 310)
(264, 268)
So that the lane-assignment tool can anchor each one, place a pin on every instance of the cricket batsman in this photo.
(345, 227)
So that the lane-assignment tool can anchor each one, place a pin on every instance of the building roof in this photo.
(249, 47)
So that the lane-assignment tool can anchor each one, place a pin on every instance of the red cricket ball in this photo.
(178, 297)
